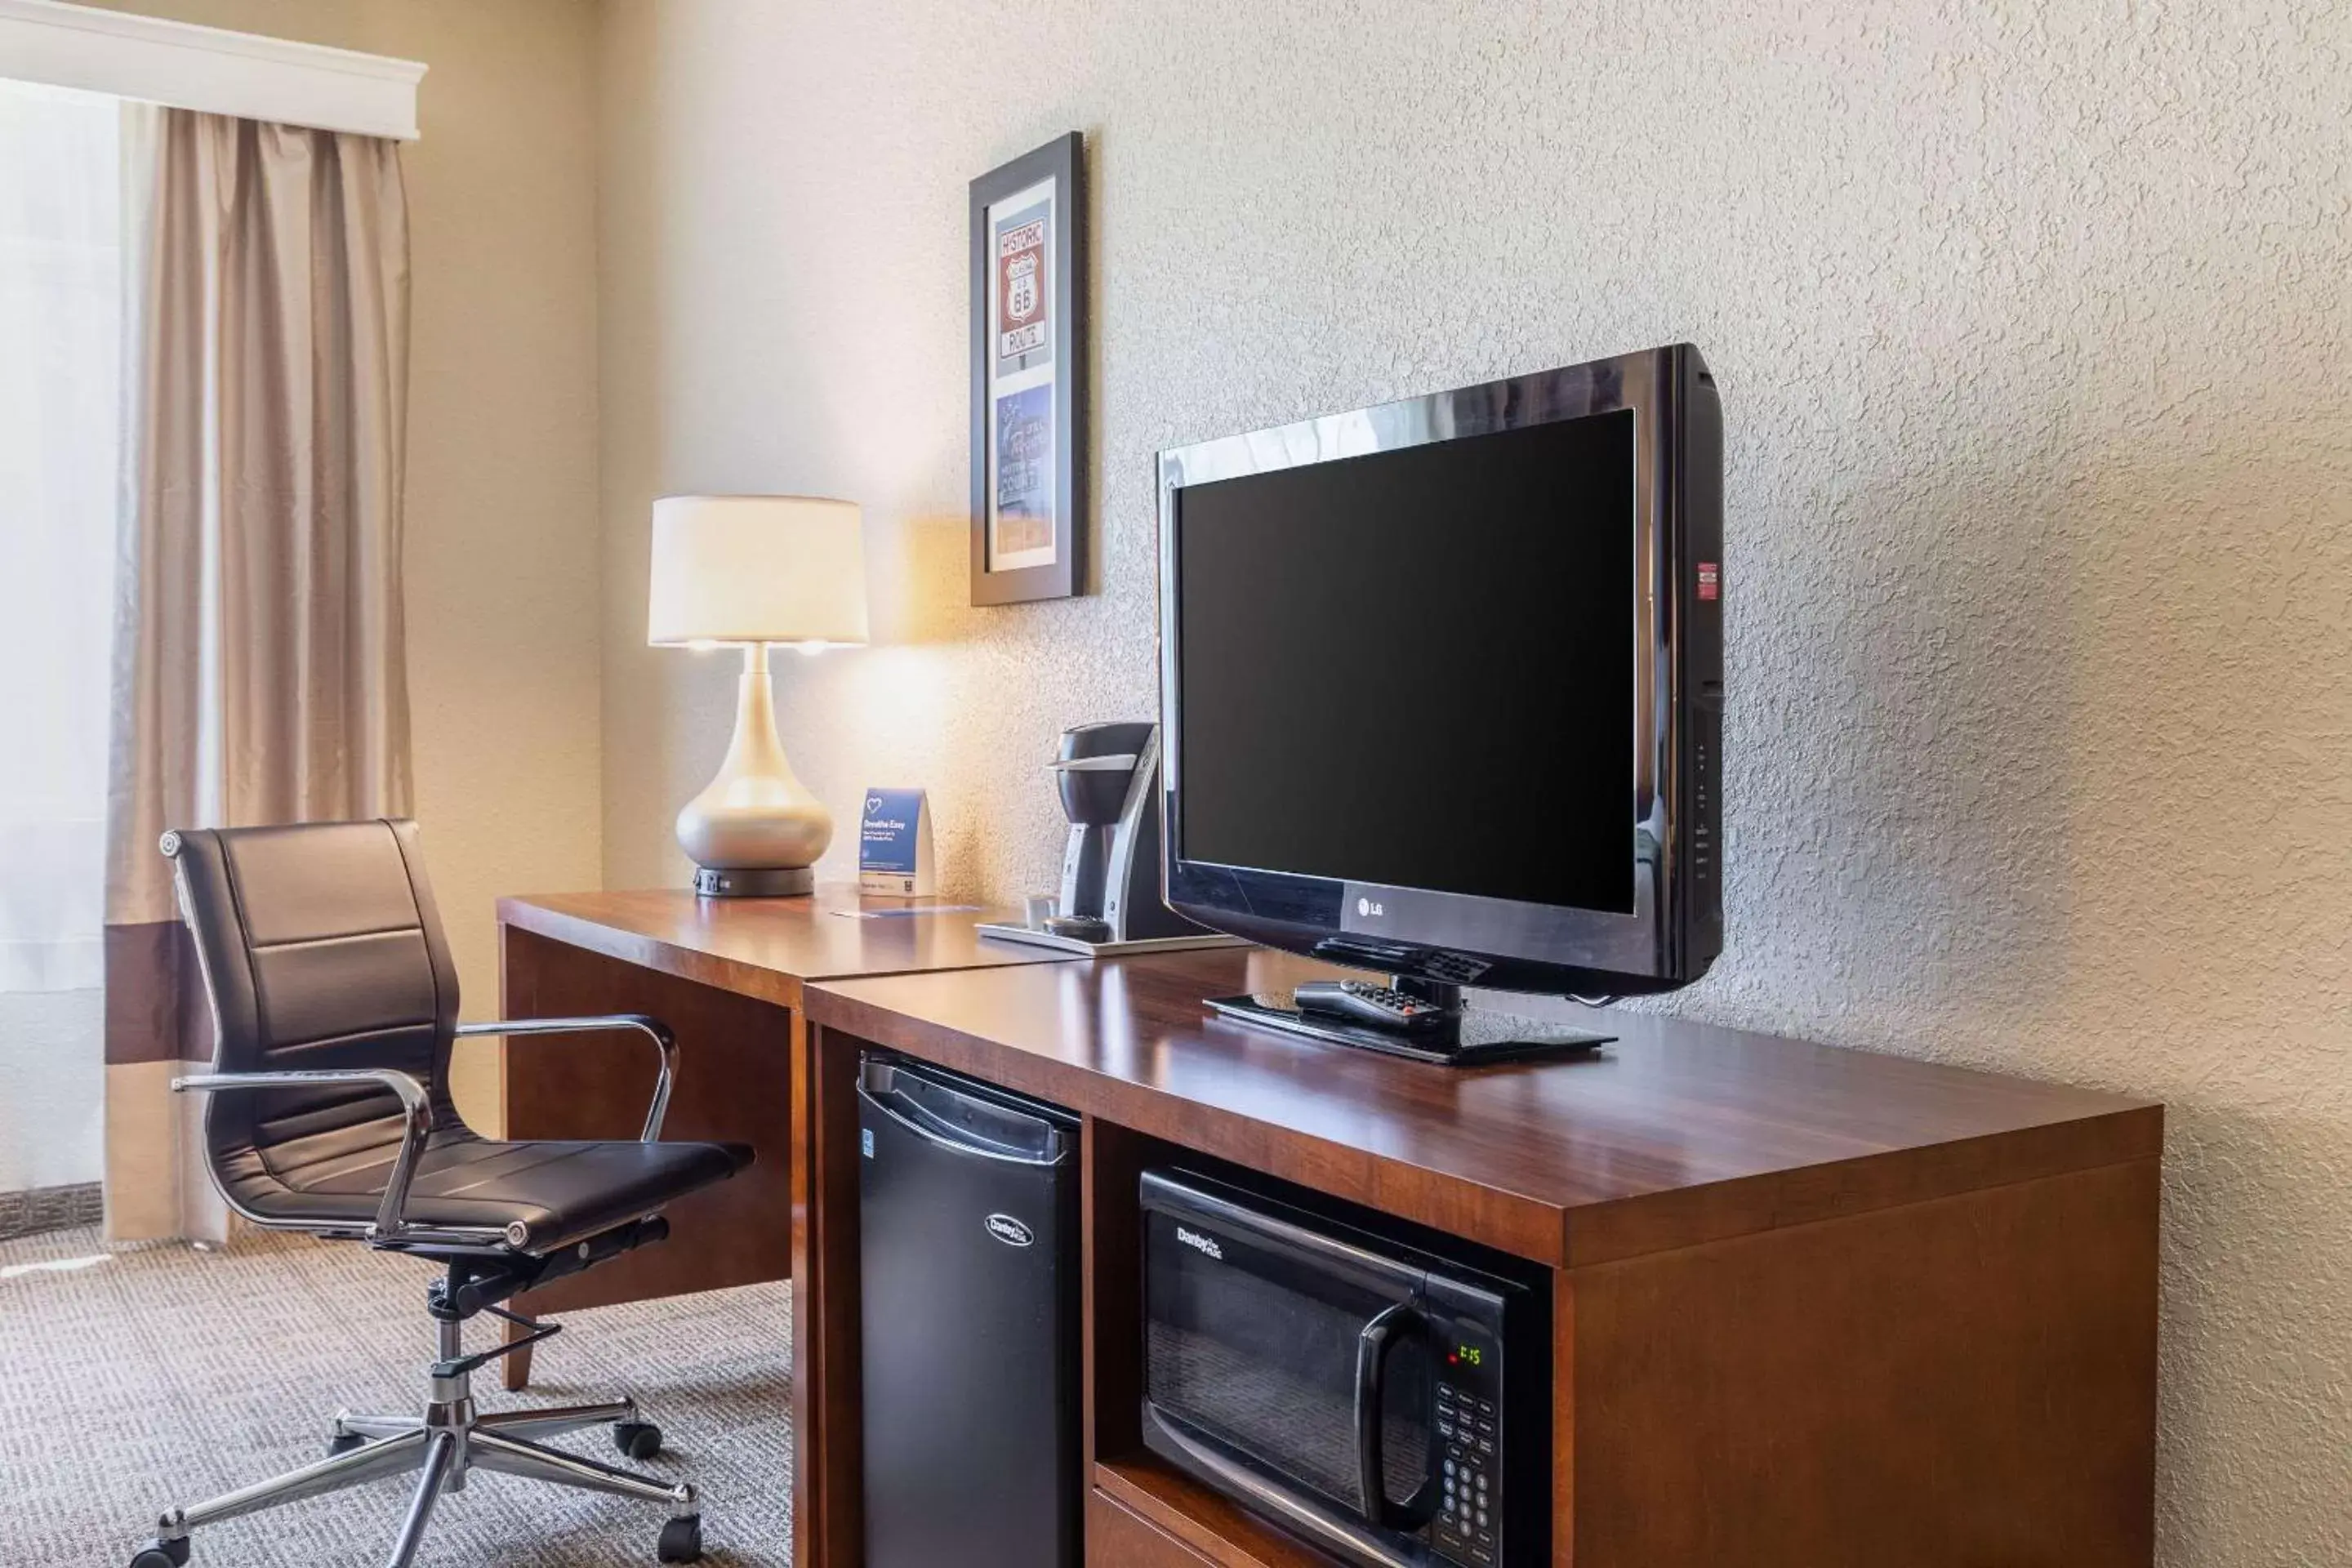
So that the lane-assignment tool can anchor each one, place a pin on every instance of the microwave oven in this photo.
(1389, 1402)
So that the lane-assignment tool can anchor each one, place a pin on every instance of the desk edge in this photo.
(1564, 1234)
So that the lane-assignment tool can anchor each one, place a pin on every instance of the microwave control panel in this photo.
(1468, 1528)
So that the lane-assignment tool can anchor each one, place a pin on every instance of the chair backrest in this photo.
(321, 948)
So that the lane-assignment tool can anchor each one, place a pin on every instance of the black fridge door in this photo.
(1289, 1368)
(968, 1232)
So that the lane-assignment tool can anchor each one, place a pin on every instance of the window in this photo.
(60, 308)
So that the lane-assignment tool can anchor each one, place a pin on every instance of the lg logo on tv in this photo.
(1366, 908)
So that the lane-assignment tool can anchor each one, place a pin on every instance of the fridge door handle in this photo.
(1056, 1144)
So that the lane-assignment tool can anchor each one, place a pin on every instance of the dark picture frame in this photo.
(1029, 376)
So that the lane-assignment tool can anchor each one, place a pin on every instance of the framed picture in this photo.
(1029, 377)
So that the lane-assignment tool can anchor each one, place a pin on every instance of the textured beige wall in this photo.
(501, 558)
(2032, 324)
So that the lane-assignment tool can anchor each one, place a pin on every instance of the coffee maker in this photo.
(1109, 778)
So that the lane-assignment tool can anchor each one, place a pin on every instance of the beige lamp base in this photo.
(755, 831)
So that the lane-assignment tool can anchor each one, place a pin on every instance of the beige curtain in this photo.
(259, 672)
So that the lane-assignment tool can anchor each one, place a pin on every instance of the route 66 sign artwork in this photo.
(1021, 293)
(1028, 377)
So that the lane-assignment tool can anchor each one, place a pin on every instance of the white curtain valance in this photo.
(181, 65)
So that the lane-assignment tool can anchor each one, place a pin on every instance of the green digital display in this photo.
(1469, 1355)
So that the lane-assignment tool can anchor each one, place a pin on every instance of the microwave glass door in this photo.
(1257, 1347)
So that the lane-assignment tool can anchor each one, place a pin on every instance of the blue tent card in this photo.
(894, 844)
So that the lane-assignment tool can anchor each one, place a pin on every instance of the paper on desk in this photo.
(909, 909)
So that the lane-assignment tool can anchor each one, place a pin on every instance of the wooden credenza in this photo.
(1813, 1307)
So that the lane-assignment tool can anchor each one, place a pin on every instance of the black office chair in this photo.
(334, 1003)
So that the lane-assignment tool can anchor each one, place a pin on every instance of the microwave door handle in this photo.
(1373, 1343)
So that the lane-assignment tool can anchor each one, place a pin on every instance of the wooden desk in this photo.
(727, 975)
(1811, 1307)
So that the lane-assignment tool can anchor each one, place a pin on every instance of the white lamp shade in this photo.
(743, 569)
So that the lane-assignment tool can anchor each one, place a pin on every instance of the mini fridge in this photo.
(968, 1227)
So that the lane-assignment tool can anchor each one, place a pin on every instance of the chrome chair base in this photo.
(442, 1447)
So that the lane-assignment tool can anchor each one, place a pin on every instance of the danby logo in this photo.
(1200, 1244)
(1369, 909)
(1008, 1230)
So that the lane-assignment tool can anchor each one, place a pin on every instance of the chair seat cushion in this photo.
(560, 1192)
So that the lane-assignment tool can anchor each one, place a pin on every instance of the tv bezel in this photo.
(1458, 938)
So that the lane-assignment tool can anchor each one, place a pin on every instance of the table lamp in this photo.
(755, 570)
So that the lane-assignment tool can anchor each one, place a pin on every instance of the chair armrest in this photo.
(416, 1115)
(663, 1042)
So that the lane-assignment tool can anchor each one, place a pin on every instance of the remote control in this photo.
(1361, 1002)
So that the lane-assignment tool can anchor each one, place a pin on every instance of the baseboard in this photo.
(50, 1208)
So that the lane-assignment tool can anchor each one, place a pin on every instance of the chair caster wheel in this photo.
(343, 1443)
(681, 1540)
(175, 1553)
(641, 1440)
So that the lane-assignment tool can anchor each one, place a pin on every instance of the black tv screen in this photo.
(1416, 667)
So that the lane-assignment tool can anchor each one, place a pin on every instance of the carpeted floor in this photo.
(132, 1381)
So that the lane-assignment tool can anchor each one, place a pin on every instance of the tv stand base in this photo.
(1478, 1038)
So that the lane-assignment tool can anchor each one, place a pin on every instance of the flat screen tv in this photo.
(1442, 682)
